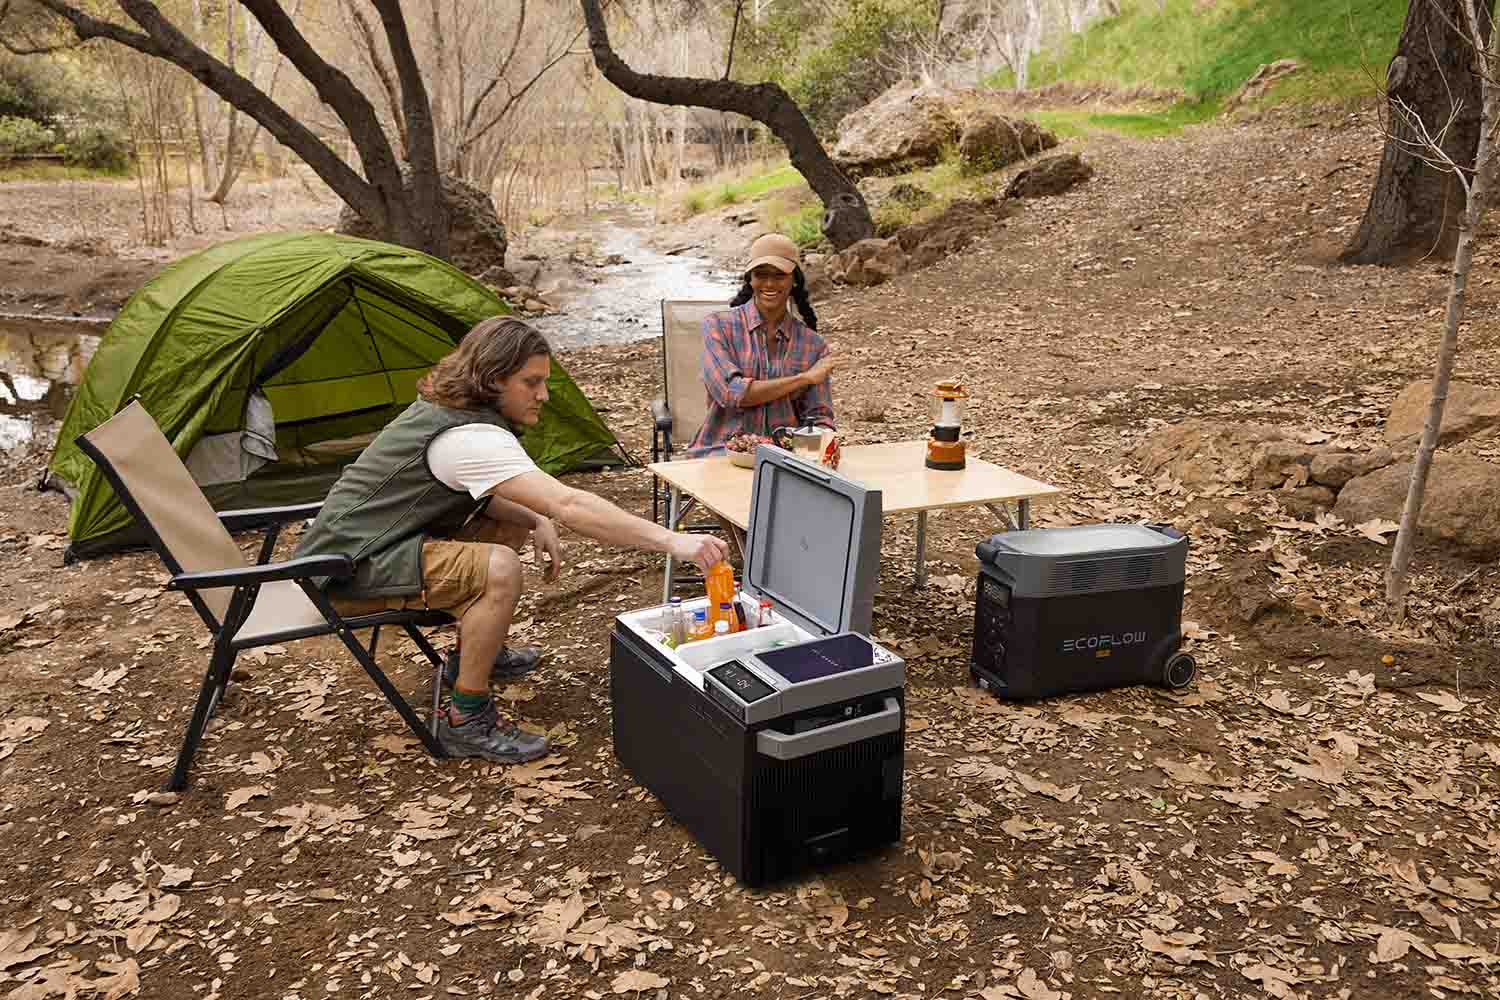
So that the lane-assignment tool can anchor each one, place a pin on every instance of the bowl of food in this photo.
(741, 449)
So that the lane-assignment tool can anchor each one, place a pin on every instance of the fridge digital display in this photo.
(745, 685)
(819, 658)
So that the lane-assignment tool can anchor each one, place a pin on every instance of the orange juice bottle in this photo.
(720, 584)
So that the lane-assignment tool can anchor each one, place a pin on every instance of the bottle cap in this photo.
(675, 600)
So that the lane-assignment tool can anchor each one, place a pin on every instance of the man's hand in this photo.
(705, 550)
(824, 368)
(544, 541)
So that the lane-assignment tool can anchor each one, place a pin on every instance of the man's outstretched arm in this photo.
(603, 521)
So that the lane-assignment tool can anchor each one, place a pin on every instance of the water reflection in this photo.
(623, 301)
(41, 360)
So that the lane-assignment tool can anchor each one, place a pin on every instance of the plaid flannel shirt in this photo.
(736, 352)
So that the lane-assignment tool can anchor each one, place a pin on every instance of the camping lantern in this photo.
(944, 449)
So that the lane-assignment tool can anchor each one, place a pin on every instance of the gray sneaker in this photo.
(485, 734)
(511, 662)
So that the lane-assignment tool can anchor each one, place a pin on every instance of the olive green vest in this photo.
(388, 502)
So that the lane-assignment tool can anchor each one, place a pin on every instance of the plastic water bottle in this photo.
(699, 628)
(676, 624)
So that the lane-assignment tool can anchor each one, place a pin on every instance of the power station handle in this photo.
(783, 747)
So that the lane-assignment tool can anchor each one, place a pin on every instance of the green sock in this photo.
(468, 702)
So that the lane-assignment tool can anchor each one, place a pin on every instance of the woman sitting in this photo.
(763, 367)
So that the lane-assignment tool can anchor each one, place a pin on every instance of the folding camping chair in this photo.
(684, 403)
(243, 606)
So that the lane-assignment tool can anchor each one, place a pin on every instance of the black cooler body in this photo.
(778, 748)
(1060, 610)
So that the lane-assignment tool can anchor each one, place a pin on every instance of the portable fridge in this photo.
(1060, 610)
(778, 747)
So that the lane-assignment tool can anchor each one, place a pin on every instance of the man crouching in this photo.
(435, 510)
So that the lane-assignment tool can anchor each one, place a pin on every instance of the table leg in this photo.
(672, 515)
(921, 549)
(1003, 513)
(1023, 513)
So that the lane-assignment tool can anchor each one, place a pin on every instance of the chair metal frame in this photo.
(247, 582)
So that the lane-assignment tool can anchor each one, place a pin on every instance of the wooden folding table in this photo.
(896, 469)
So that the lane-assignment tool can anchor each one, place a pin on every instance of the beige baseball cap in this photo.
(776, 250)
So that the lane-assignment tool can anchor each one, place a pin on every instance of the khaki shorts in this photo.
(454, 571)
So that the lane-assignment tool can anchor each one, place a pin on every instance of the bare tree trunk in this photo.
(846, 217)
(1480, 47)
(1415, 206)
(206, 152)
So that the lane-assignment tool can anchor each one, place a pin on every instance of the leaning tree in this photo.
(846, 217)
(1433, 100)
(406, 211)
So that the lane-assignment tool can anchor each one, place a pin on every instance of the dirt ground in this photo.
(1315, 817)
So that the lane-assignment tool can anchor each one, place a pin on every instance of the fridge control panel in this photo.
(738, 680)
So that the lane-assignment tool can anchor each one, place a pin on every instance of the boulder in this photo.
(873, 261)
(1307, 501)
(1459, 507)
(1199, 452)
(1335, 468)
(904, 128)
(476, 236)
(1470, 409)
(990, 141)
(1283, 462)
(1050, 176)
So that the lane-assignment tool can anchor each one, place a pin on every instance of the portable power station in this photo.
(1059, 610)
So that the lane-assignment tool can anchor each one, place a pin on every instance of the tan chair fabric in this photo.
(682, 350)
(280, 606)
(164, 490)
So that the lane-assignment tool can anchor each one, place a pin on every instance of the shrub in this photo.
(22, 136)
(97, 148)
(867, 42)
(805, 227)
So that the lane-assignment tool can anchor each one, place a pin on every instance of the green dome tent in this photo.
(271, 361)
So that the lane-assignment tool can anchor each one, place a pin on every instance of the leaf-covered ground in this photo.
(1316, 817)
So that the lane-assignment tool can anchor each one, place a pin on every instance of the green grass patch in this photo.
(735, 190)
(1206, 53)
(1143, 124)
(803, 224)
(49, 170)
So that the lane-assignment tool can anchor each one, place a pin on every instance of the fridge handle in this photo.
(784, 747)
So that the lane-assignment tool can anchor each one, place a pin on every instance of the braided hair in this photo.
(799, 296)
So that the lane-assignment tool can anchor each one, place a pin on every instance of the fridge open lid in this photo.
(814, 543)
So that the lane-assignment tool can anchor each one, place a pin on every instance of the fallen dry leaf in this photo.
(240, 796)
(637, 980)
(1376, 529)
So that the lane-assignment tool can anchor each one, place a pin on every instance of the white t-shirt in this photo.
(477, 457)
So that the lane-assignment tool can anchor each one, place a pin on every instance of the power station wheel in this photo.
(1179, 671)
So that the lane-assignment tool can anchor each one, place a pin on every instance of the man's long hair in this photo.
(469, 378)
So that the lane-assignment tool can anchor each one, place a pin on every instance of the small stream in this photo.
(619, 302)
(606, 285)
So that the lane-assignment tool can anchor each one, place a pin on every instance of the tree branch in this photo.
(382, 72)
(847, 216)
(474, 135)
(339, 93)
(734, 29)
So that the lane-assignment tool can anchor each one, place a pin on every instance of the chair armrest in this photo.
(339, 566)
(259, 517)
(662, 414)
